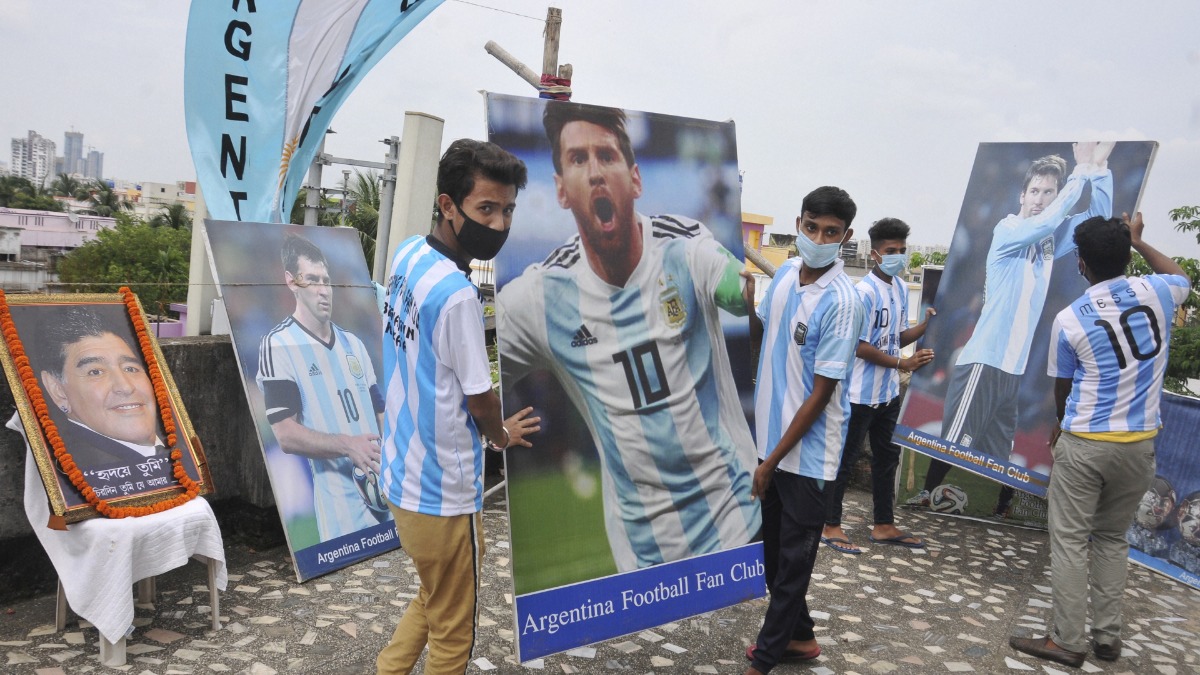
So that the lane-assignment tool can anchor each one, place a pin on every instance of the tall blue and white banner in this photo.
(262, 81)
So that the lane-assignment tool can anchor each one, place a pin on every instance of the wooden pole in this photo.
(525, 72)
(549, 59)
(550, 46)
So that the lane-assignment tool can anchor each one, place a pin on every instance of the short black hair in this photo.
(559, 114)
(465, 159)
(830, 201)
(1103, 244)
(888, 229)
(72, 324)
(296, 247)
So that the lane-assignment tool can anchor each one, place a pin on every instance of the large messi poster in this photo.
(620, 320)
(306, 331)
(984, 406)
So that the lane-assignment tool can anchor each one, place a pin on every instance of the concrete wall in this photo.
(210, 385)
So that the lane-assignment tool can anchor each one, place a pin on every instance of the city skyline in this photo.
(34, 158)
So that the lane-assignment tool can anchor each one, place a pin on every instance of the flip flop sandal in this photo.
(836, 543)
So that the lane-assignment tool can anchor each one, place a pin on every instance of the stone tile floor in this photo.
(949, 609)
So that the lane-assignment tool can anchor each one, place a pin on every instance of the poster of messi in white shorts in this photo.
(984, 406)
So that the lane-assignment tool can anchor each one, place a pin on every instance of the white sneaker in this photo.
(921, 499)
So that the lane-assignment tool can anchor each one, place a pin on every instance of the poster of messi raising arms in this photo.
(620, 319)
(985, 404)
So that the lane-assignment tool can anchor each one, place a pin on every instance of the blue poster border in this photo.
(981, 463)
(558, 619)
(346, 550)
(1164, 568)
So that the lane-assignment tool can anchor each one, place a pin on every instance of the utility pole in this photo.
(555, 80)
(312, 196)
(387, 195)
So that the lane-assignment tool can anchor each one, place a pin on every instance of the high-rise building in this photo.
(73, 152)
(94, 165)
(33, 158)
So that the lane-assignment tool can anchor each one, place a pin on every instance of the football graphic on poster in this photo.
(948, 499)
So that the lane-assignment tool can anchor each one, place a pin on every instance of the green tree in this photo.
(20, 193)
(174, 216)
(103, 200)
(1184, 359)
(1187, 219)
(363, 192)
(937, 258)
(152, 261)
(916, 260)
(324, 217)
(66, 185)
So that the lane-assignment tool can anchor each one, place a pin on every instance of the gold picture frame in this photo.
(99, 404)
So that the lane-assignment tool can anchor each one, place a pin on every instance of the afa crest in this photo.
(674, 312)
(801, 333)
(356, 368)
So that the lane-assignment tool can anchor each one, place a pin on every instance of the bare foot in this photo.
(890, 531)
(802, 645)
(835, 534)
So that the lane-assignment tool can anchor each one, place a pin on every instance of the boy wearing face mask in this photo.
(874, 387)
(440, 399)
(811, 318)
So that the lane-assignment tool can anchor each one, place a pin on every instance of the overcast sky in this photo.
(888, 100)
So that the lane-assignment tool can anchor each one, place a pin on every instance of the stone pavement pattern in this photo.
(949, 609)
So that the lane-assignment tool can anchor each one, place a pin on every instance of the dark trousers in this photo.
(878, 423)
(791, 512)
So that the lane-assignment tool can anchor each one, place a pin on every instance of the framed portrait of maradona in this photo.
(101, 412)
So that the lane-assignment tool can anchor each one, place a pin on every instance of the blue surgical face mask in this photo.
(893, 264)
(815, 255)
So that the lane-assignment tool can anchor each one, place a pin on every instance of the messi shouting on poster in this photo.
(624, 316)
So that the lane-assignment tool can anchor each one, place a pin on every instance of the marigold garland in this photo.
(50, 431)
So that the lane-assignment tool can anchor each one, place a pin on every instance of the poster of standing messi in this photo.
(307, 335)
(620, 319)
(984, 407)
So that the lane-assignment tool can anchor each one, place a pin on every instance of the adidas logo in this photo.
(583, 337)
(313, 370)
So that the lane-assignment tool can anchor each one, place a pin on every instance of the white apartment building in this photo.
(33, 158)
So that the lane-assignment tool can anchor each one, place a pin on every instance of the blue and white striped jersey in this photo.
(885, 316)
(808, 330)
(647, 368)
(433, 358)
(1019, 264)
(335, 383)
(1112, 342)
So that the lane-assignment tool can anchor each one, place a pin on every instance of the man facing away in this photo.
(319, 390)
(981, 403)
(625, 316)
(811, 318)
(1108, 353)
(439, 400)
(874, 387)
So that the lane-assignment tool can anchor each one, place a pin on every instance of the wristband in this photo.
(898, 368)
(507, 438)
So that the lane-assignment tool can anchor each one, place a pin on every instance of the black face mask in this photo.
(478, 240)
